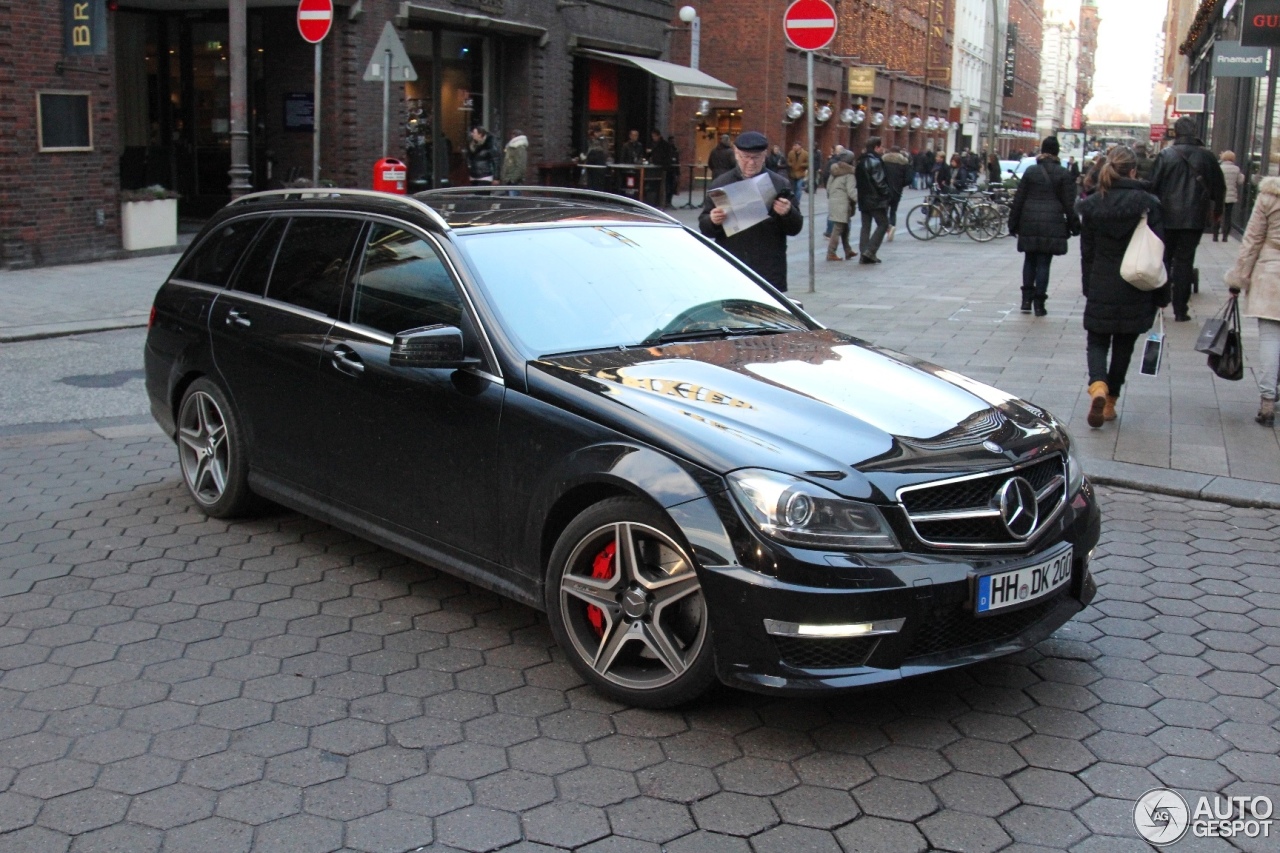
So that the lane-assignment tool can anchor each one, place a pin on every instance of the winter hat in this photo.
(751, 141)
(1049, 146)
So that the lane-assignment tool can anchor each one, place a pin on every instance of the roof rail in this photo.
(536, 189)
(339, 192)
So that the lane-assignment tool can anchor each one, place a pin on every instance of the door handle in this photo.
(347, 360)
(237, 317)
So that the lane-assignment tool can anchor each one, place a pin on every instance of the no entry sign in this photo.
(810, 24)
(314, 19)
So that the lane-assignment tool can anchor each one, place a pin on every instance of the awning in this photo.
(411, 13)
(687, 82)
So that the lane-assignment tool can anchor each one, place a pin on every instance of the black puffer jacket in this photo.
(1189, 184)
(483, 158)
(1112, 305)
(1043, 214)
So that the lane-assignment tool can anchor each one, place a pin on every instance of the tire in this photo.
(211, 452)
(982, 223)
(919, 220)
(631, 618)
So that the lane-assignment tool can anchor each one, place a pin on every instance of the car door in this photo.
(413, 447)
(268, 333)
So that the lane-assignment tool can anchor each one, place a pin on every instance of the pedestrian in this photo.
(994, 178)
(897, 171)
(819, 167)
(873, 200)
(941, 174)
(924, 169)
(1073, 169)
(763, 246)
(662, 153)
(632, 149)
(721, 158)
(1146, 163)
(1232, 178)
(515, 160)
(1115, 312)
(483, 155)
(1257, 273)
(1190, 187)
(842, 194)
(597, 159)
(776, 162)
(798, 167)
(961, 178)
(1042, 217)
(673, 175)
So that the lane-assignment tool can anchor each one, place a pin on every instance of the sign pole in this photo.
(315, 124)
(1270, 114)
(386, 101)
(812, 225)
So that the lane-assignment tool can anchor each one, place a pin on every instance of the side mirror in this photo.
(796, 302)
(437, 346)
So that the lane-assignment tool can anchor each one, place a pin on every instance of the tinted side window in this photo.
(311, 266)
(256, 268)
(213, 262)
(404, 284)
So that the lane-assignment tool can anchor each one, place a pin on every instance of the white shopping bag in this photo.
(1143, 264)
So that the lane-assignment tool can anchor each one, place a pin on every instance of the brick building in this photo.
(148, 102)
(1018, 121)
(1089, 22)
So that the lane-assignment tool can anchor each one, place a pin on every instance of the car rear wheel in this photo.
(625, 604)
(211, 452)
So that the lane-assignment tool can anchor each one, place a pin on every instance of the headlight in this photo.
(1075, 472)
(797, 512)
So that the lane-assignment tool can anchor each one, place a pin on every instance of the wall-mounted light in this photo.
(795, 109)
(847, 115)
(823, 114)
(916, 122)
(877, 119)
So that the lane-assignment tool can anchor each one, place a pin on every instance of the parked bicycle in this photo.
(971, 213)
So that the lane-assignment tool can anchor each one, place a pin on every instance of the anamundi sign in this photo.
(1232, 60)
(1260, 23)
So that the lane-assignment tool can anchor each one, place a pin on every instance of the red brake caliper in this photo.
(601, 569)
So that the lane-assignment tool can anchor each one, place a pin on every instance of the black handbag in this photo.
(1213, 334)
(1229, 364)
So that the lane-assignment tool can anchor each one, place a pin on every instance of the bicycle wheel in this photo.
(921, 220)
(982, 222)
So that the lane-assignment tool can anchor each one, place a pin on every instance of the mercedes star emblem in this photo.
(1018, 508)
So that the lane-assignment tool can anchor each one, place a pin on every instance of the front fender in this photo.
(584, 476)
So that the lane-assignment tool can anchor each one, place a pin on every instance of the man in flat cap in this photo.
(763, 246)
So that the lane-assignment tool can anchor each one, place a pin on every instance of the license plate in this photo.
(1006, 589)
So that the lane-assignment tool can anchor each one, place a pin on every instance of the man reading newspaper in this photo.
(748, 211)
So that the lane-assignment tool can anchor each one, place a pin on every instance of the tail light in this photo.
(151, 318)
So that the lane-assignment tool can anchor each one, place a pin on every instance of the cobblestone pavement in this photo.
(171, 682)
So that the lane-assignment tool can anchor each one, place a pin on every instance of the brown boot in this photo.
(832, 256)
(1097, 402)
(1109, 410)
(1267, 413)
(849, 254)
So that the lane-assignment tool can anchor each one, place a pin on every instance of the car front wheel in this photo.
(625, 604)
(211, 452)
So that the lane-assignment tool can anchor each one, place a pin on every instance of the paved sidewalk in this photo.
(950, 300)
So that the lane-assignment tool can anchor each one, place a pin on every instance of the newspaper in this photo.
(745, 203)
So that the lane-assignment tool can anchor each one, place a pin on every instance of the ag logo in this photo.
(1161, 816)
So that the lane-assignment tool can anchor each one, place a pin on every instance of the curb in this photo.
(1232, 491)
(63, 330)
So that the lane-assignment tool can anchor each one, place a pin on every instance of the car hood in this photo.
(862, 420)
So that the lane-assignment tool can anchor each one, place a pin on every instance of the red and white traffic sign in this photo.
(810, 24)
(315, 17)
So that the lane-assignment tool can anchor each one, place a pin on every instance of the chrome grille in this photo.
(963, 512)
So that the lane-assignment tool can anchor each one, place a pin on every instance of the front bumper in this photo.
(931, 593)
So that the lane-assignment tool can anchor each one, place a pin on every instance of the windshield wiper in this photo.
(712, 334)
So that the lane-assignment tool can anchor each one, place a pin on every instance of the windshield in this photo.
(571, 289)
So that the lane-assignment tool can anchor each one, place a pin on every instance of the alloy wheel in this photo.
(203, 447)
(632, 605)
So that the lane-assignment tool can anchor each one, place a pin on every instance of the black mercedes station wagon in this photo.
(573, 400)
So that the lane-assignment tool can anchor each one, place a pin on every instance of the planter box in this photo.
(149, 224)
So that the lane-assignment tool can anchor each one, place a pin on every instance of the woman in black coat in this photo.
(1042, 217)
(1115, 312)
(483, 157)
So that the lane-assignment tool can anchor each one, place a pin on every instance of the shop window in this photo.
(64, 121)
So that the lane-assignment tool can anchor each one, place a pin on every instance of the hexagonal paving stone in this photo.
(734, 814)
(565, 824)
(478, 829)
(649, 819)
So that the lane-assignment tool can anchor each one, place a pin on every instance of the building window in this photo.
(63, 121)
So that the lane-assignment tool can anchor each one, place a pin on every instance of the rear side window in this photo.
(256, 268)
(404, 284)
(311, 265)
(213, 262)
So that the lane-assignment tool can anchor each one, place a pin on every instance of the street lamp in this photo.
(689, 15)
